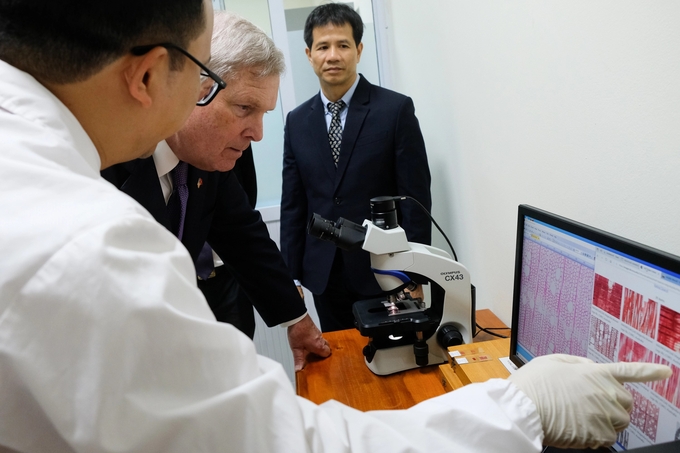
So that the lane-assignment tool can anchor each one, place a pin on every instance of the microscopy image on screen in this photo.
(632, 351)
(645, 414)
(640, 312)
(557, 292)
(603, 338)
(668, 388)
(607, 295)
(669, 328)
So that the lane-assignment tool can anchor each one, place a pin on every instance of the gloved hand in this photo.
(582, 404)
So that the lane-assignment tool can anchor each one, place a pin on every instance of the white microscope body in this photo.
(391, 256)
(404, 332)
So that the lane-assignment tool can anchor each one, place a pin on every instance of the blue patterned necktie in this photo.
(335, 131)
(180, 193)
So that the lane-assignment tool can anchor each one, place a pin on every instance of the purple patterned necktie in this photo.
(179, 181)
(335, 130)
(204, 263)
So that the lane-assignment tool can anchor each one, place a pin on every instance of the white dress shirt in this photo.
(106, 344)
(165, 161)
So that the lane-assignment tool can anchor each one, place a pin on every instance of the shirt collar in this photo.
(164, 159)
(346, 97)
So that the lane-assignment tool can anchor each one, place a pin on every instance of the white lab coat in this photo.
(106, 344)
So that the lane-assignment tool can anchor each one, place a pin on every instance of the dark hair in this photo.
(337, 14)
(65, 41)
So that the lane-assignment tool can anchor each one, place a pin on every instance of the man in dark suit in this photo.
(228, 300)
(217, 209)
(337, 158)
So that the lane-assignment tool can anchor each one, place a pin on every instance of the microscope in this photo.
(404, 332)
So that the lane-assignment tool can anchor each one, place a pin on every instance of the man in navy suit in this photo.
(381, 152)
(226, 297)
(218, 211)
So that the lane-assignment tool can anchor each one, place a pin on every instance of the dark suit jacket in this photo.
(244, 169)
(218, 212)
(382, 153)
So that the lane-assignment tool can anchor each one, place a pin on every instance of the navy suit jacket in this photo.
(218, 212)
(382, 153)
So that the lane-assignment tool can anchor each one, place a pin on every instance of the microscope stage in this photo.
(373, 319)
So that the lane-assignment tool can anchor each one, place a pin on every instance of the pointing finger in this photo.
(638, 371)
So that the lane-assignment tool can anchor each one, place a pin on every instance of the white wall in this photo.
(571, 106)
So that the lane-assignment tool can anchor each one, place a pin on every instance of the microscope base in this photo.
(400, 358)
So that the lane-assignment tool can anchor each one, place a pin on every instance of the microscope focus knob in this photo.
(449, 335)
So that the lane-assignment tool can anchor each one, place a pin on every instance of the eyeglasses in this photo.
(208, 93)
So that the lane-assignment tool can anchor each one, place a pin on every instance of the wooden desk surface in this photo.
(345, 377)
(457, 373)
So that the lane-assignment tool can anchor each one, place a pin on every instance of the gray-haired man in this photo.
(217, 209)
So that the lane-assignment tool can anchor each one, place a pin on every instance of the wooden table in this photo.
(479, 363)
(345, 377)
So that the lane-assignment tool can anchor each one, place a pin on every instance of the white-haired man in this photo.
(217, 209)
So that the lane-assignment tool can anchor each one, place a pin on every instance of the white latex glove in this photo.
(582, 404)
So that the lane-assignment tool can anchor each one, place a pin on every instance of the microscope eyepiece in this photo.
(384, 213)
(343, 233)
(322, 228)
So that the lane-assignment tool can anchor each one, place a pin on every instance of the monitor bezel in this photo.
(635, 249)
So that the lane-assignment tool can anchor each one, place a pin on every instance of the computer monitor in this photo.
(583, 291)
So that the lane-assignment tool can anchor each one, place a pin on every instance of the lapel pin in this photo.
(199, 183)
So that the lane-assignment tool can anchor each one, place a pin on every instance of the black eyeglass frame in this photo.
(217, 86)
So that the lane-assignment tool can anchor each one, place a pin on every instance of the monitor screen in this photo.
(582, 291)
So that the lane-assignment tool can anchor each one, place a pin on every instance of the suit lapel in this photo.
(143, 185)
(319, 131)
(358, 109)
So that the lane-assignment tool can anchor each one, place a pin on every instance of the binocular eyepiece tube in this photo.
(343, 233)
(348, 235)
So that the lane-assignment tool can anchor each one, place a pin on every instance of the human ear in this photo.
(309, 54)
(143, 74)
(360, 48)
